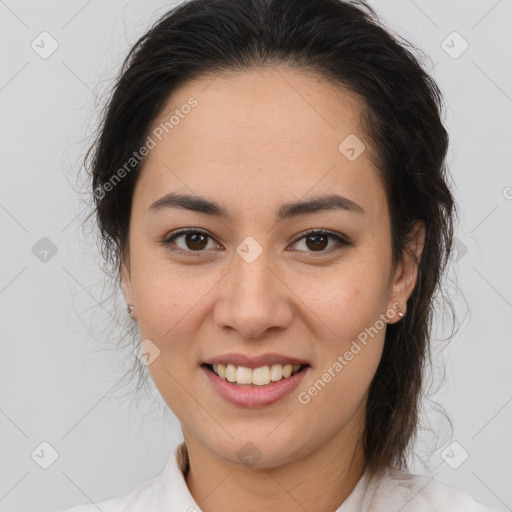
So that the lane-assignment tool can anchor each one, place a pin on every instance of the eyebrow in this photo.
(286, 211)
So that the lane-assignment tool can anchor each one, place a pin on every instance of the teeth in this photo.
(260, 376)
(276, 372)
(221, 370)
(243, 375)
(231, 373)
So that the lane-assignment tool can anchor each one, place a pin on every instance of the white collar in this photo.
(172, 492)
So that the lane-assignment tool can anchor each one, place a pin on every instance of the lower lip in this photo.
(257, 396)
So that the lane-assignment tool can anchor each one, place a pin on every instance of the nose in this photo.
(254, 298)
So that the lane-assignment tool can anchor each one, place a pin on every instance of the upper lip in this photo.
(254, 361)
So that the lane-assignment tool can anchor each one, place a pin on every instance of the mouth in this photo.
(255, 386)
(261, 377)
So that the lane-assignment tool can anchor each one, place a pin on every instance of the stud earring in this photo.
(400, 314)
(129, 308)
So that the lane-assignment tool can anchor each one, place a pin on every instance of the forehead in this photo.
(262, 132)
(235, 108)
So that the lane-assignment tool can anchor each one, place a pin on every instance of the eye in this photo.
(195, 240)
(318, 239)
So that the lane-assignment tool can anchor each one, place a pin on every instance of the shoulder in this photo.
(166, 491)
(140, 498)
(420, 493)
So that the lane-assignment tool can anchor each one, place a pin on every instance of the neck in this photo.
(320, 481)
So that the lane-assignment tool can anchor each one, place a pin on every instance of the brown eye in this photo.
(194, 240)
(317, 241)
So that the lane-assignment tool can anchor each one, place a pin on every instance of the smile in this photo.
(259, 376)
(251, 394)
(262, 376)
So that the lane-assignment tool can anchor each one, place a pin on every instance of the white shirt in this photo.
(392, 490)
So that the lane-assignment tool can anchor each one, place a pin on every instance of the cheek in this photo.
(347, 298)
(168, 294)
(350, 335)
(170, 316)
(349, 341)
(172, 305)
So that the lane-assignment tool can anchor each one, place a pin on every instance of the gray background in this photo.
(61, 380)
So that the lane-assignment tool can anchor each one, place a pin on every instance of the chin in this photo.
(258, 452)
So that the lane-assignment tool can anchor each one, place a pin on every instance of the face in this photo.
(248, 280)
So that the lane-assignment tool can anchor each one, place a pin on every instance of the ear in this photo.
(406, 272)
(126, 282)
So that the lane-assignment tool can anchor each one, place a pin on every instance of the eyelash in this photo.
(169, 240)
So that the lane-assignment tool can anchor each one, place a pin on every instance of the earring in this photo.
(129, 308)
(400, 314)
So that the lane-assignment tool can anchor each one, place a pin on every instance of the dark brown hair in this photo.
(348, 45)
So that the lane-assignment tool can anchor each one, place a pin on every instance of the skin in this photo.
(258, 139)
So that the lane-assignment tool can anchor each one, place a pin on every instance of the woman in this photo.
(270, 183)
